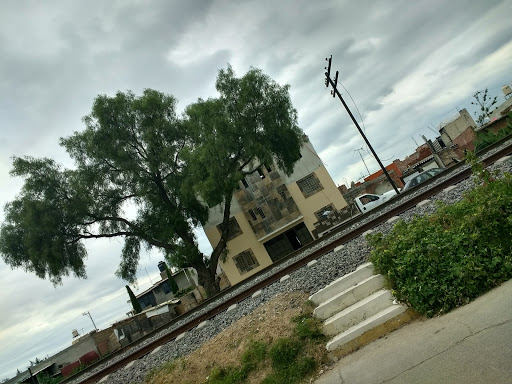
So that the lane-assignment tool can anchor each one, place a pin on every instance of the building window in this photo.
(244, 182)
(309, 185)
(245, 261)
(260, 212)
(282, 192)
(260, 173)
(287, 242)
(166, 287)
(324, 212)
(253, 215)
(368, 199)
(145, 301)
(234, 228)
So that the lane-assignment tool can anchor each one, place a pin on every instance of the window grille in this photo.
(234, 228)
(253, 215)
(309, 185)
(260, 212)
(245, 261)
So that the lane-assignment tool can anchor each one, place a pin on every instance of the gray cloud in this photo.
(406, 64)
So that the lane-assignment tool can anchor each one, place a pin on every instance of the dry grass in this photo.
(267, 323)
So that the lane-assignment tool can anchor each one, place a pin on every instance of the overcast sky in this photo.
(407, 64)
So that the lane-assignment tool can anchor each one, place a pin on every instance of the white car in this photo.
(369, 201)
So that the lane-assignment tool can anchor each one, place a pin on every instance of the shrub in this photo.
(44, 378)
(441, 261)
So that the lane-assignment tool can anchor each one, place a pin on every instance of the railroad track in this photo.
(260, 281)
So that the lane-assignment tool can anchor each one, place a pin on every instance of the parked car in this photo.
(422, 177)
(369, 201)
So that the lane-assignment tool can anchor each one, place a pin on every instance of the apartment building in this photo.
(273, 214)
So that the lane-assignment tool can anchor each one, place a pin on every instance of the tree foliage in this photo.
(149, 176)
(172, 284)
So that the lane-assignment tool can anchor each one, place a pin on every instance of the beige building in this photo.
(459, 133)
(274, 214)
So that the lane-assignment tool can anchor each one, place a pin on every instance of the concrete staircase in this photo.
(356, 310)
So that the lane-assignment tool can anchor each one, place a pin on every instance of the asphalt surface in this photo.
(470, 345)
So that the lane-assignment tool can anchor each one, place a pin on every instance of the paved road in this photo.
(470, 345)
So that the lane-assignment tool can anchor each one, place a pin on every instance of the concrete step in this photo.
(343, 283)
(366, 325)
(348, 297)
(358, 312)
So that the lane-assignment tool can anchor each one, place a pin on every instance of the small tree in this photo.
(485, 103)
(172, 283)
(135, 303)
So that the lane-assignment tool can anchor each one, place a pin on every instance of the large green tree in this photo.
(145, 174)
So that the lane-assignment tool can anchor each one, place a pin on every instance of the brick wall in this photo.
(422, 152)
(465, 141)
(101, 340)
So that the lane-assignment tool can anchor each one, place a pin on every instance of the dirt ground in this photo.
(267, 323)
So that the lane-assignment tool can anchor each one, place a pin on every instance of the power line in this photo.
(334, 93)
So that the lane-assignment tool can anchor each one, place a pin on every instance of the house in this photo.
(83, 350)
(383, 185)
(273, 214)
(459, 133)
(161, 292)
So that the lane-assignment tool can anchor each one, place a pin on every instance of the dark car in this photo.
(423, 176)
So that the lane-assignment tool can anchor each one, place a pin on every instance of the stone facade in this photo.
(267, 205)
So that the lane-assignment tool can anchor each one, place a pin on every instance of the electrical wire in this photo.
(355, 105)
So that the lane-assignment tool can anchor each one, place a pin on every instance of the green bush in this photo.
(438, 262)
(44, 378)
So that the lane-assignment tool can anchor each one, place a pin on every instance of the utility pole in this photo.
(335, 92)
(359, 151)
(89, 314)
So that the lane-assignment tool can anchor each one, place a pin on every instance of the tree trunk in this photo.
(207, 280)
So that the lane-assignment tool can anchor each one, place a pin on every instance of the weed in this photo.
(228, 375)
(284, 351)
(308, 328)
(295, 372)
(254, 354)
